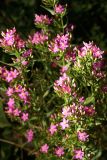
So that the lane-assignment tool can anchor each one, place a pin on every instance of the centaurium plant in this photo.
(54, 90)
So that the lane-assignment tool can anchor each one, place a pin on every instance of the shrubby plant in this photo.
(54, 93)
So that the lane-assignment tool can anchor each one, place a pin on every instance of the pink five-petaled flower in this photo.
(44, 148)
(29, 135)
(64, 124)
(16, 112)
(11, 102)
(53, 128)
(59, 9)
(66, 111)
(11, 75)
(78, 154)
(24, 95)
(25, 116)
(59, 151)
(9, 91)
(82, 136)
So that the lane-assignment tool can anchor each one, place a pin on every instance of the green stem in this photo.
(6, 63)
(17, 145)
(62, 24)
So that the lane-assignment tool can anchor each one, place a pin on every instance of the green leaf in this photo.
(49, 10)
(17, 54)
(98, 155)
(46, 93)
(89, 100)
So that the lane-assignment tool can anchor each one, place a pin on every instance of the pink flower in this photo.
(10, 110)
(38, 38)
(97, 53)
(12, 75)
(89, 110)
(81, 99)
(9, 77)
(79, 154)
(18, 89)
(70, 56)
(16, 112)
(29, 135)
(24, 63)
(42, 19)
(3, 72)
(73, 108)
(11, 103)
(60, 43)
(24, 95)
(53, 129)
(84, 49)
(90, 48)
(98, 65)
(104, 88)
(19, 43)
(44, 148)
(82, 136)
(8, 37)
(64, 124)
(62, 84)
(27, 53)
(63, 69)
(59, 151)
(10, 91)
(59, 9)
(66, 111)
(25, 116)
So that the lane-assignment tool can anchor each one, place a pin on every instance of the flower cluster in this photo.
(90, 48)
(38, 38)
(62, 85)
(11, 39)
(23, 96)
(7, 75)
(59, 9)
(29, 135)
(42, 19)
(60, 43)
